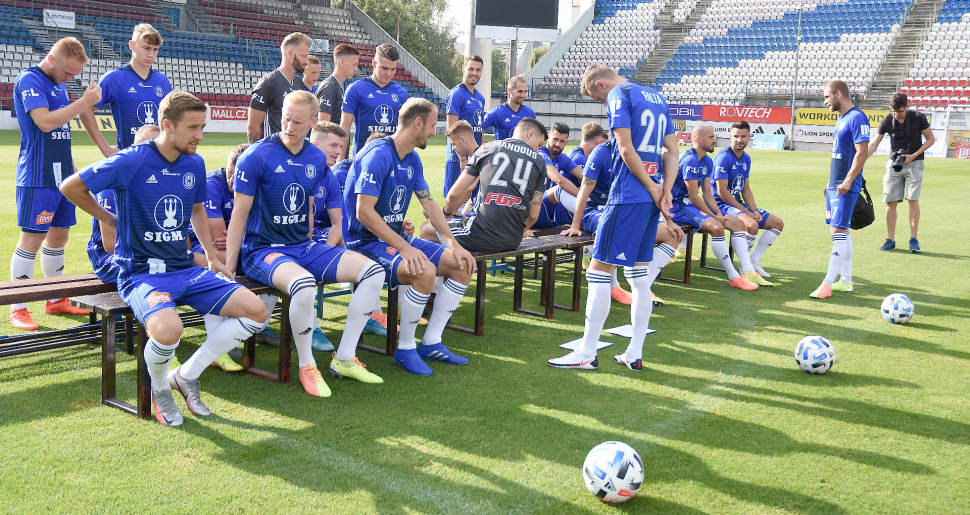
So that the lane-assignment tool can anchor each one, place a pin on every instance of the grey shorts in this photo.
(470, 240)
(904, 184)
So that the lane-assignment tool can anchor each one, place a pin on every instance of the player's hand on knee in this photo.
(220, 268)
(414, 260)
(464, 258)
(572, 231)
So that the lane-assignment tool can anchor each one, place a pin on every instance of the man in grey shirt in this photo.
(331, 90)
(513, 178)
(266, 106)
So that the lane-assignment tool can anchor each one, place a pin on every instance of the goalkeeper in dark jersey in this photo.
(512, 175)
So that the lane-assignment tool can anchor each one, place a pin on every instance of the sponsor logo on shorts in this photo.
(45, 217)
(157, 297)
(272, 257)
(391, 250)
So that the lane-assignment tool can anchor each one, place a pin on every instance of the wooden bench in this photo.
(688, 254)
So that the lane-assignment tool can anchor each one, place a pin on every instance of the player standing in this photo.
(503, 118)
(850, 149)
(271, 222)
(44, 113)
(133, 92)
(331, 90)
(372, 103)
(311, 74)
(466, 104)
(266, 105)
(378, 191)
(641, 124)
(158, 186)
(731, 189)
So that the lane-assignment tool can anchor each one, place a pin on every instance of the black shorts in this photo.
(464, 231)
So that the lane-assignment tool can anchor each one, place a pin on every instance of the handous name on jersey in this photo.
(158, 297)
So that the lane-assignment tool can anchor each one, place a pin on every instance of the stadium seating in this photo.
(745, 47)
(13, 31)
(940, 77)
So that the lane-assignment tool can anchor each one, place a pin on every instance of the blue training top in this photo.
(503, 119)
(133, 100)
(561, 162)
(599, 167)
(690, 169)
(469, 107)
(645, 112)
(329, 195)
(729, 167)
(45, 157)
(852, 128)
(374, 108)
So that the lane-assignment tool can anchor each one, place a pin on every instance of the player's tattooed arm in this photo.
(423, 195)
(589, 182)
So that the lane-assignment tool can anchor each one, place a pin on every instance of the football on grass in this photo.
(815, 354)
(613, 472)
(897, 308)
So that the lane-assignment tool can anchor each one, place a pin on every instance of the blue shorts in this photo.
(552, 215)
(320, 235)
(201, 289)
(591, 220)
(839, 208)
(733, 211)
(627, 234)
(39, 209)
(689, 214)
(320, 260)
(387, 256)
(104, 264)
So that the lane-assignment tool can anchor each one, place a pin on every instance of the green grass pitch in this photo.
(724, 420)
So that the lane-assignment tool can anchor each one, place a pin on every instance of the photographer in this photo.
(904, 170)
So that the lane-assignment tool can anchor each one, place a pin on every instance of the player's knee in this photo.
(462, 275)
(778, 223)
(424, 281)
(371, 273)
(714, 228)
(253, 308)
(166, 332)
(751, 227)
(427, 232)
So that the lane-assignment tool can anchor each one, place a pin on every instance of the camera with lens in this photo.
(899, 159)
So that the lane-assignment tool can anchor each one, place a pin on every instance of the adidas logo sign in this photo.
(622, 255)
(132, 90)
(152, 180)
(370, 95)
(507, 120)
(780, 131)
(279, 169)
(759, 130)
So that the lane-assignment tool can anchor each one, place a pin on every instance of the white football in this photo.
(815, 354)
(613, 471)
(897, 308)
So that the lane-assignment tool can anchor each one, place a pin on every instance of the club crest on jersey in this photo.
(384, 114)
(410, 173)
(159, 92)
(158, 297)
(188, 180)
(394, 97)
(147, 113)
(737, 184)
(272, 257)
(168, 213)
(397, 200)
(293, 198)
(477, 118)
(311, 171)
(322, 192)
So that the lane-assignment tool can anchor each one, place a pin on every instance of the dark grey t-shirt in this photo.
(907, 135)
(268, 97)
(510, 172)
(331, 96)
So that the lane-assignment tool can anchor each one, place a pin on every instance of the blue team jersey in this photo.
(106, 199)
(561, 162)
(219, 200)
(340, 171)
(599, 167)
(503, 120)
(690, 169)
(45, 157)
(379, 172)
(282, 185)
(329, 195)
(154, 199)
(469, 107)
(133, 100)
(374, 108)
(733, 169)
(645, 112)
(578, 156)
(852, 128)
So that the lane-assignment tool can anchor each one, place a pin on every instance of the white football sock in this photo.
(614, 279)
(302, 290)
(227, 336)
(767, 239)
(370, 282)
(438, 281)
(21, 269)
(739, 242)
(212, 322)
(640, 310)
(445, 304)
(597, 309)
(52, 263)
(157, 358)
(270, 301)
(846, 269)
(411, 308)
(751, 238)
(378, 308)
(836, 258)
(661, 256)
(568, 201)
(683, 244)
(720, 249)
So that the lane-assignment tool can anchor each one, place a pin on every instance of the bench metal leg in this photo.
(479, 329)
(144, 392)
(282, 374)
(390, 342)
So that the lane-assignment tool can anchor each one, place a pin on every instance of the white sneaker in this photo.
(574, 360)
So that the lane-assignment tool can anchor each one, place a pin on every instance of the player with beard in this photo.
(467, 105)
(562, 176)
(503, 118)
(266, 105)
(158, 187)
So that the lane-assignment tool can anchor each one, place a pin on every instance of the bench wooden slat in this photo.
(40, 281)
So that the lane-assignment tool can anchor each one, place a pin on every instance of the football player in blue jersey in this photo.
(592, 135)
(133, 92)
(503, 118)
(464, 104)
(272, 220)
(159, 186)
(378, 191)
(44, 112)
(850, 149)
(640, 121)
(731, 189)
(372, 103)
(560, 169)
(689, 207)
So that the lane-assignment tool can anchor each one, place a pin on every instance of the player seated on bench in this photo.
(589, 206)
(155, 184)
(731, 189)
(272, 220)
(513, 178)
(689, 208)
(378, 191)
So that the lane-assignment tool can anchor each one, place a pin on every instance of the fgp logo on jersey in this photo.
(651, 168)
(169, 216)
(293, 199)
(148, 113)
(504, 199)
